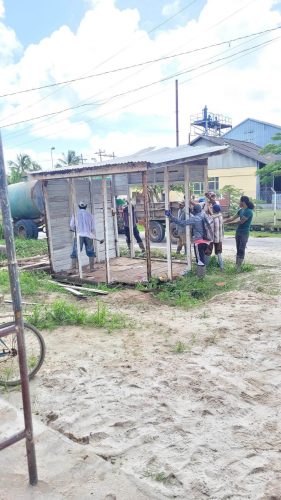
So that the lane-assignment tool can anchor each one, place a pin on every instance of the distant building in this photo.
(254, 131)
(237, 167)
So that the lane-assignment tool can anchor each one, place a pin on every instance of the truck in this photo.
(157, 223)
(27, 208)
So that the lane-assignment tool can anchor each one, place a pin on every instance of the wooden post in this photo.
(115, 221)
(146, 224)
(48, 224)
(187, 202)
(74, 207)
(168, 236)
(105, 223)
(94, 214)
(206, 183)
(131, 222)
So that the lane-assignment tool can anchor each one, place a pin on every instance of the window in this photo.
(213, 183)
(198, 188)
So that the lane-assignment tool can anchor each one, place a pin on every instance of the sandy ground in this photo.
(204, 423)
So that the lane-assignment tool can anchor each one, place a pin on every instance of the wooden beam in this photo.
(91, 171)
(131, 222)
(168, 235)
(187, 202)
(105, 223)
(74, 208)
(146, 224)
(48, 225)
(206, 183)
(115, 221)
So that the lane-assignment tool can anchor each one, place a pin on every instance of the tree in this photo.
(272, 169)
(68, 159)
(20, 168)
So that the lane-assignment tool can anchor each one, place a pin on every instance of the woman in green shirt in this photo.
(245, 214)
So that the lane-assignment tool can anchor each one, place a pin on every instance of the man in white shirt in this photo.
(86, 232)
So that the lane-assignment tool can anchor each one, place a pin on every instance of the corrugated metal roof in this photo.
(142, 160)
(243, 147)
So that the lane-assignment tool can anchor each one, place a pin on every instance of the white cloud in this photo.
(171, 8)
(247, 87)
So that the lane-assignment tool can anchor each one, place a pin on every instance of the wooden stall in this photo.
(98, 185)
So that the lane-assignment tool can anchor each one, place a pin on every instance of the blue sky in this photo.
(45, 42)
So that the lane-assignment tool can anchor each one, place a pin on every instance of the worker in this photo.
(218, 231)
(210, 201)
(245, 214)
(201, 234)
(86, 232)
(135, 228)
(181, 231)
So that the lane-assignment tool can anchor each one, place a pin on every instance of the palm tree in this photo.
(20, 168)
(68, 159)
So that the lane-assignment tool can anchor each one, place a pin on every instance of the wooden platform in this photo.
(128, 271)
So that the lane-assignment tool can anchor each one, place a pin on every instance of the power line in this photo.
(88, 121)
(130, 91)
(66, 82)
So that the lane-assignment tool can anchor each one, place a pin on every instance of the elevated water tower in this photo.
(208, 123)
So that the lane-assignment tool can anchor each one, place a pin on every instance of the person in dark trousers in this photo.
(198, 221)
(135, 228)
(86, 231)
(245, 214)
(181, 230)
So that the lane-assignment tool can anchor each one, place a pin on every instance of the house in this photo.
(254, 131)
(237, 167)
(98, 185)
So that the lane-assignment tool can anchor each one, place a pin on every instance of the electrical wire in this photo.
(140, 64)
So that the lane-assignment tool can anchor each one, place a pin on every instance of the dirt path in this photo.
(202, 423)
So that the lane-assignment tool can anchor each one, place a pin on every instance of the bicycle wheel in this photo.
(9, 360)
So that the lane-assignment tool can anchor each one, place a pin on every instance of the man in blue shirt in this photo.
(245, 214)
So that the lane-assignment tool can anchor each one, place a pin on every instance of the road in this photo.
(265, 251)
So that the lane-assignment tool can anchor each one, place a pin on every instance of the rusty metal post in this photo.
(17, 306)
(146, 223)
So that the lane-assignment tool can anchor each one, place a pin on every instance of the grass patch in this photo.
(255, 234)
(61, 313)
(32, 283)
(28, 248)
(189, 291)
(179, 348)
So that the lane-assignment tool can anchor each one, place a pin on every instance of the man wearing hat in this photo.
(86, 231)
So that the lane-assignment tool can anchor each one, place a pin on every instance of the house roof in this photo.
(253, 120)
(243, 147)
(150, 158)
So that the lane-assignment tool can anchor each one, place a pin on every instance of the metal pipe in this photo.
(17, 306)
(12, 440)
(146, 224)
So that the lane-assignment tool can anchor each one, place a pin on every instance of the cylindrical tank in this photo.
(26, 200)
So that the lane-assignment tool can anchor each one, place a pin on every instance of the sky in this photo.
(123, 57)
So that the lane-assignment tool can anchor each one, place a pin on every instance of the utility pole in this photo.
(102, 154)
(82, 159)
(177, 113)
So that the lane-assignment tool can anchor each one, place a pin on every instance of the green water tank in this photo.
(26, 200)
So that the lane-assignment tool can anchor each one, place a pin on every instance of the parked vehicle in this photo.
(157, 224)
(27, 208)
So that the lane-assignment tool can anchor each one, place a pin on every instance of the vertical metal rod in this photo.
(131, 222)
(105, 223)
(187, 201)
(168, 235)
(146, 224)
(74, 208)
(115, 221)
(17, 306)
(177, 113)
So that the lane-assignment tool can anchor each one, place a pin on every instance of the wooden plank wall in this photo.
(60, 211)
